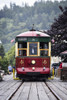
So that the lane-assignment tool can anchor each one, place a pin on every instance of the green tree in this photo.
(4, 64)
(58, 32)
(10, 55)
(2, 52)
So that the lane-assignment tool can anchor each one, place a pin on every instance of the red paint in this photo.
(46, 71)
(40, 63)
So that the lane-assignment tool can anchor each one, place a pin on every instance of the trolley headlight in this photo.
(23, 68)
(43, 68)
(33, 61)
(33, 68)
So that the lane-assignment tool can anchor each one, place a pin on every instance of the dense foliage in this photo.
(2, 52)
(16, 19)
(8, 58)
(4, 64)
(3, 59)
(10, 55)
(58, 33)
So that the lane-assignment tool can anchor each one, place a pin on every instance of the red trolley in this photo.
(33, 54)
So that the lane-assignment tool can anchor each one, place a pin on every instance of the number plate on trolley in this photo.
(33, 73)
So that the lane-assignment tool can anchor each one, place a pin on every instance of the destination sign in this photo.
(32, 39)
(22, 39)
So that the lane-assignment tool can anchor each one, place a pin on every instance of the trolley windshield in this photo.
(33, 49)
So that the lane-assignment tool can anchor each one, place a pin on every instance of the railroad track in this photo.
(34, 91)
(11, 95)
(53, 92)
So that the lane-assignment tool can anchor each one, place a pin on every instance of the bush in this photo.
(4, 64)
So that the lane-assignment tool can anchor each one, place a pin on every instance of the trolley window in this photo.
(22, 48)
(44, 49)
(33, 49)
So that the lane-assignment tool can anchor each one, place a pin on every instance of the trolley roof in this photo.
(33, 34)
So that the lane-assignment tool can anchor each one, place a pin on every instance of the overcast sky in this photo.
(19, 2)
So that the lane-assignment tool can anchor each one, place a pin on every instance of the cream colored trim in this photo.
(33, 55)
(49, 48)
(38, 49)
(27, 48)
(16, 49)
(50, 53)
(44, 49)
(22, 48)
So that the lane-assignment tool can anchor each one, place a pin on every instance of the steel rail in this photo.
(53, 92)
(10, 96)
